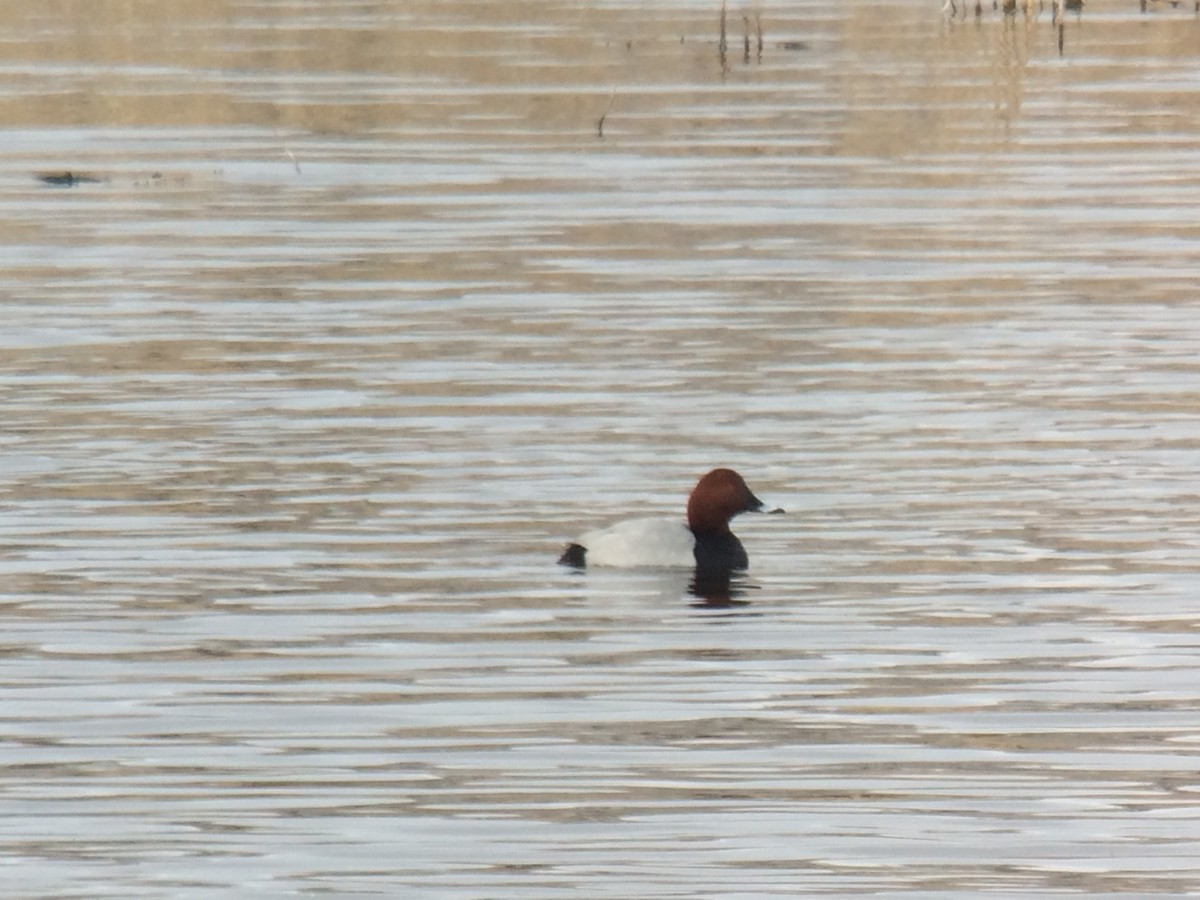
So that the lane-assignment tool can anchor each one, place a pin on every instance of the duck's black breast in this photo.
(720, 551)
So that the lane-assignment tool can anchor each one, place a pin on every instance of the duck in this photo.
(703, 542)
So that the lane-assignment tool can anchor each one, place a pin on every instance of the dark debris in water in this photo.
(67, 179)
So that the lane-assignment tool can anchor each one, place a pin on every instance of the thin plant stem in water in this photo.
(612, 98)
(722, 42)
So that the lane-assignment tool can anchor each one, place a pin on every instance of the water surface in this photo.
(326, 325)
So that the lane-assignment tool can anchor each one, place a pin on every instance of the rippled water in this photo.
(326, 325)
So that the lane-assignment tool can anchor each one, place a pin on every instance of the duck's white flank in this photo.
(642, 543)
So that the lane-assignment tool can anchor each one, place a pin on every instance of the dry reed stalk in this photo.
(722, 43)
(604, 115)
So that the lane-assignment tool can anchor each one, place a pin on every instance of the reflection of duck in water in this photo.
(704, 543)
(718, 589)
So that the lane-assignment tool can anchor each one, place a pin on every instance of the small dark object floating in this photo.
(793, 45)
(66, 179)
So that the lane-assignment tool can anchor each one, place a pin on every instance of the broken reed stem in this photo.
(723, 36)
(604, 115)
(723, 43)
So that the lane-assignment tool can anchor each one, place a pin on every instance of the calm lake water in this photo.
(325, 325)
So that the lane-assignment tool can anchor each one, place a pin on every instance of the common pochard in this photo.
(704, 542)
